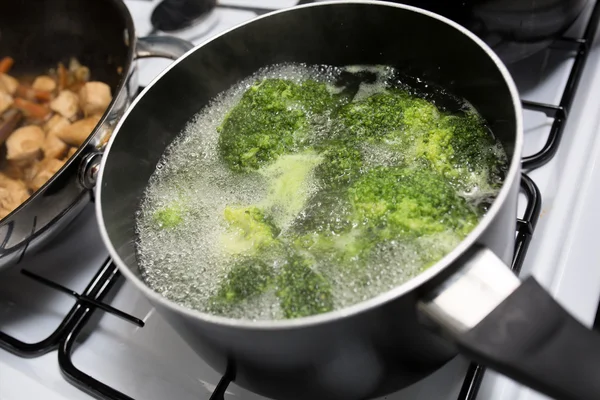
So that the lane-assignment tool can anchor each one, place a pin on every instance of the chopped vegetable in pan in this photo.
(247, 277)
(398, 201)
(315, 195)
(43, 120)
(301, 290)
(272, 118)
(248, 230)
(169, 216)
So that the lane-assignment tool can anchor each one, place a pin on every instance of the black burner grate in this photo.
(525, 228)
(24, 349)
(560, 112)
(106, 277)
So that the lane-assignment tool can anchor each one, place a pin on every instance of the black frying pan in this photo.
(100, 34)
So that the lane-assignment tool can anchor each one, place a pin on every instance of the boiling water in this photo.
(187, 264)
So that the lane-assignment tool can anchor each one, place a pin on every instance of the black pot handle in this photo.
(527, 336)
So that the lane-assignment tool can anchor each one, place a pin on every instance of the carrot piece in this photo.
(32, 109)
(29, 93)
(62, 77)
(6, 64)
(42, 95)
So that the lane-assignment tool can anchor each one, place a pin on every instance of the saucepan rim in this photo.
(412, 284)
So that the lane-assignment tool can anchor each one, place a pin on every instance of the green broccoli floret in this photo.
(395, 119)
(458, 146)
(385, 204)
(169, 216)
(316, 98)
(420, 116)
(374, 117)
(271, 118)
(387, 116)
(249, 277)
(472, 143)
(392, 201)
(341, 165)
(463, 150)
(248, 230)
(301, 290)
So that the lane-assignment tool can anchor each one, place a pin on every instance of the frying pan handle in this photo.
(516, 328)
(146, 47)
(162, 46)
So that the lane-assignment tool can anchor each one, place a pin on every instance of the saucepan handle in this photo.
(516, 328)
(162, 46)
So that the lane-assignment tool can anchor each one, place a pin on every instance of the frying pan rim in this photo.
(380, 299)
(131, 44)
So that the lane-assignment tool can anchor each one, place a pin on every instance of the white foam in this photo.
(382, 74)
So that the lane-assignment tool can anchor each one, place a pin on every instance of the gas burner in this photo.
(171, 16)
(174, 16)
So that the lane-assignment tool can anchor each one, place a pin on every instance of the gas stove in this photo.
(75, 329)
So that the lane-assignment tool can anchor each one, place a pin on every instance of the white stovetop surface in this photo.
(153, 363)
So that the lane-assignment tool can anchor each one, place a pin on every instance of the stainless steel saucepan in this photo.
(469, 302)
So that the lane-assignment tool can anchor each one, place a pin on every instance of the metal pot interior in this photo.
(332, 33)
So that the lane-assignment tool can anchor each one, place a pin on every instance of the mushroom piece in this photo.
(15, 169)
(82, 74)
(53, 147)
(12, 193)
(76, 133)
(8, 122)
(56, 124)
(8, 84)
(94, 97)
(71, 152)
(45, 83)
(6, 101)
(25, 143)
(66, 104)
(44, 171)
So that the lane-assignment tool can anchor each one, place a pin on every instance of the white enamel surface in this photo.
(153, 363)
